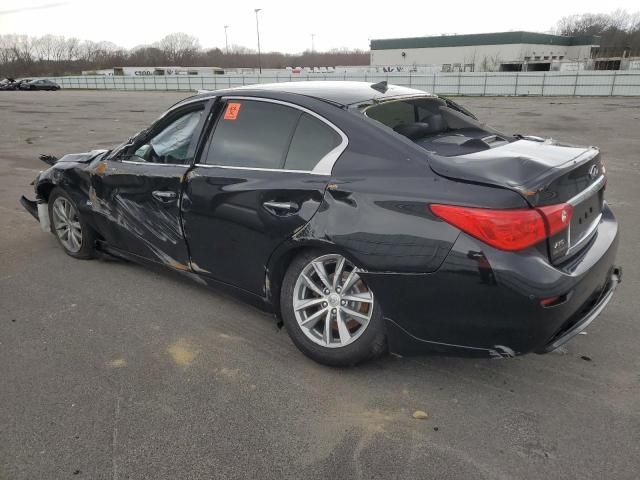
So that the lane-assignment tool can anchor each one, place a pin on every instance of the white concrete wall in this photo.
(499, 83)
(476, 55)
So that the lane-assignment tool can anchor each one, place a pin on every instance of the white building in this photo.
(504, 51)
(147, 71)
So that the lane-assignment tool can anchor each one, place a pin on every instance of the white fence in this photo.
(579, 83)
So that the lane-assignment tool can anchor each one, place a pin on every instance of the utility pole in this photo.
(226, 39)
(258, 32)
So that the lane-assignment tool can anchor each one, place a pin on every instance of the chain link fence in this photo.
(579, 83)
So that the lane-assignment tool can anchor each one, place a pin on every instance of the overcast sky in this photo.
(285, 25)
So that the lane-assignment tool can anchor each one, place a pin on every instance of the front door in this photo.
(136, 195)
(261, 177)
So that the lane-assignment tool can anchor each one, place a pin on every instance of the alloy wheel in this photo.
(332, 305)
(67, 224)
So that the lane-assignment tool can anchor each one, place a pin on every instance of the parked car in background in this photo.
(7, 84)
(39, 84)
(18, 83)
(364, 216)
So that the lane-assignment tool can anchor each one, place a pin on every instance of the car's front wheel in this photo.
(73, 233)
(329, 312)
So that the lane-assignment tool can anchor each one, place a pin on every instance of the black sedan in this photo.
(366, 217)
(39, 84)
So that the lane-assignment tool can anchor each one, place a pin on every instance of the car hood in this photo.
(85, 157)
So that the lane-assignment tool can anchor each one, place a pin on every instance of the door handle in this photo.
(164, 196)
(281, 208)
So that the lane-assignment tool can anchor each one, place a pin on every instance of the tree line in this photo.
(53, 55)
(618, 31)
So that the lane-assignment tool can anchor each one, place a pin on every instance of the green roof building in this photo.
(502, 51)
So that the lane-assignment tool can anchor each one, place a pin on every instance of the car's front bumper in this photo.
(38, 210)
(483, 301)
(30, 206)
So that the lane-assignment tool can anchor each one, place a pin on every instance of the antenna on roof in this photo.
(381, 87)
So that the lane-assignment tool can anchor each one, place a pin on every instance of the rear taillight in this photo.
(514, 229)
(557, 217)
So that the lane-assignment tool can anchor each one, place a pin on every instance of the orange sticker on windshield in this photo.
(231, 113)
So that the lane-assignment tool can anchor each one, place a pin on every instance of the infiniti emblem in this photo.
(334, 300)
(593, 171)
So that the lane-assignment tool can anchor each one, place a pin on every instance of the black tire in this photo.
(370, 344)
(88, 237)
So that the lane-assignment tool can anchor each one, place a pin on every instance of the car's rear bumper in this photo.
(483, 301)
(583, 318)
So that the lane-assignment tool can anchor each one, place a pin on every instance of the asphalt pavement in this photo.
(112, 371)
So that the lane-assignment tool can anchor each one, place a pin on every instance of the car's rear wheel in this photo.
(74, 235)
(329, 311)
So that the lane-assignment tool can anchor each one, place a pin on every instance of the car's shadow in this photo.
(261, 323)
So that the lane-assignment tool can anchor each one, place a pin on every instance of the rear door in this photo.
(261, 176)
(136, 194)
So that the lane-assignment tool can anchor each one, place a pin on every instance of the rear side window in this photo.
(312, 140)
(252, 134)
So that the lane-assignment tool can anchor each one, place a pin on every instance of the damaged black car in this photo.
(8, 84)
(367, 217)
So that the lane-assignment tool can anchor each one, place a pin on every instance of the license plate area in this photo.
(584, 224)
(585, 217)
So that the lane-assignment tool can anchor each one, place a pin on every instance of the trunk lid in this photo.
(544, 173)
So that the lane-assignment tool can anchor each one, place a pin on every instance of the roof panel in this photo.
(340, 92)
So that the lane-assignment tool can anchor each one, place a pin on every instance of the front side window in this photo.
(171, 144)
(252, 134)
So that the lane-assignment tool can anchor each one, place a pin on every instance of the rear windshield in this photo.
(437, 125)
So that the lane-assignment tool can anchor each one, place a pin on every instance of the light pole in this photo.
(258, 32)
(313, 48)
(226, 40)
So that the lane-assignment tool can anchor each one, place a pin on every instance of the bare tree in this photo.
(490, 63)
(88, 51)
(617, 30)
(179, 47)
(58, 48)
(7, 50)
(71, 48)
(241, 50)
(23, 49)
(146, 55)
(43, 47)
